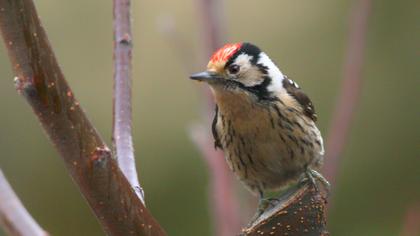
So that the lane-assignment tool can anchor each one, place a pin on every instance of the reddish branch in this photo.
(184, 52)
(87, 158)
(14, 218)
(411, 225)
(224, 201)
(122, 139)
(350, 89)
(301, 211)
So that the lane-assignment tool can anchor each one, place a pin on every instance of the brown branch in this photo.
(87, 158)
(224, 201)
(184, 52)
(14, 217)
(213, 20)
(351, 87)
(301, 211)
(122, 138)
(411, 226)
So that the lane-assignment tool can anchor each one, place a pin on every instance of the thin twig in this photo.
(411, 226)
(87, 158)
(14, 217)
(224, 201)
(350, 89)
(185, 54)
(122, 138)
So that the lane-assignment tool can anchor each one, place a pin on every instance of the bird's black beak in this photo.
(206, 76)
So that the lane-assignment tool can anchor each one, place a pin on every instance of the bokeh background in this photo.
(379, 177)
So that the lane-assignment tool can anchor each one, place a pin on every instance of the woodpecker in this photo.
(263, 120)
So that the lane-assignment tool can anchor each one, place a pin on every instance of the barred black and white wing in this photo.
(296, 92)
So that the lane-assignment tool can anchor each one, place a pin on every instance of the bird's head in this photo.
(242, 67)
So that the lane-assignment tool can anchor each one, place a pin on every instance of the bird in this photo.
(264, 122)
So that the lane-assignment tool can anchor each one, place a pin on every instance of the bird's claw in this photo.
(313, 176)
(263, 205)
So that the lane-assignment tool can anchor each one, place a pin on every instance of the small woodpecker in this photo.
(263, 120)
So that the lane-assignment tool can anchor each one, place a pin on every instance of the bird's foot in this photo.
(313, 176)
(264, 205)
(267, 203)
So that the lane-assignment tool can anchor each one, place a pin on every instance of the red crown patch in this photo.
(224, 53)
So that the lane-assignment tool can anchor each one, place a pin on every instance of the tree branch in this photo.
(351, 87)
(14, 218)
(301, 211)
(224, 204)
(122, 139)
(224, 201)
(187, 56)
(411, 226)
(87, 158)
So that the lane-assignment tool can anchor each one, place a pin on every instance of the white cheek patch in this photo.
(243, 61)
(274, 72)
(248, 76)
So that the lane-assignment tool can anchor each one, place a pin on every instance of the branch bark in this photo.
(224, 201)
(351, 87)
(86, 156)
(300, 211)
(411, 221)
(122, 138)
(14, 218)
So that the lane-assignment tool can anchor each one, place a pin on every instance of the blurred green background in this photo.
(380, 172)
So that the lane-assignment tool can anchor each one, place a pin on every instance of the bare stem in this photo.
(122, 138)
(350, 89)
(184, 52)
(14, 217)
(213, 20)
(224, 201)
(87, 158)
(224, 205)
(411, 226)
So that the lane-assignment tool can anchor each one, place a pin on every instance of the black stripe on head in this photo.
(261, 90)
(246, 48)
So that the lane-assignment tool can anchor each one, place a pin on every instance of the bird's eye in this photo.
(233, 69)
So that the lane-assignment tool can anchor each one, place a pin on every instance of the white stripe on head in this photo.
(274, 73)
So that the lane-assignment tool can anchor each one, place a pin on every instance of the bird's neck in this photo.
(233, 104)
(242, 106)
